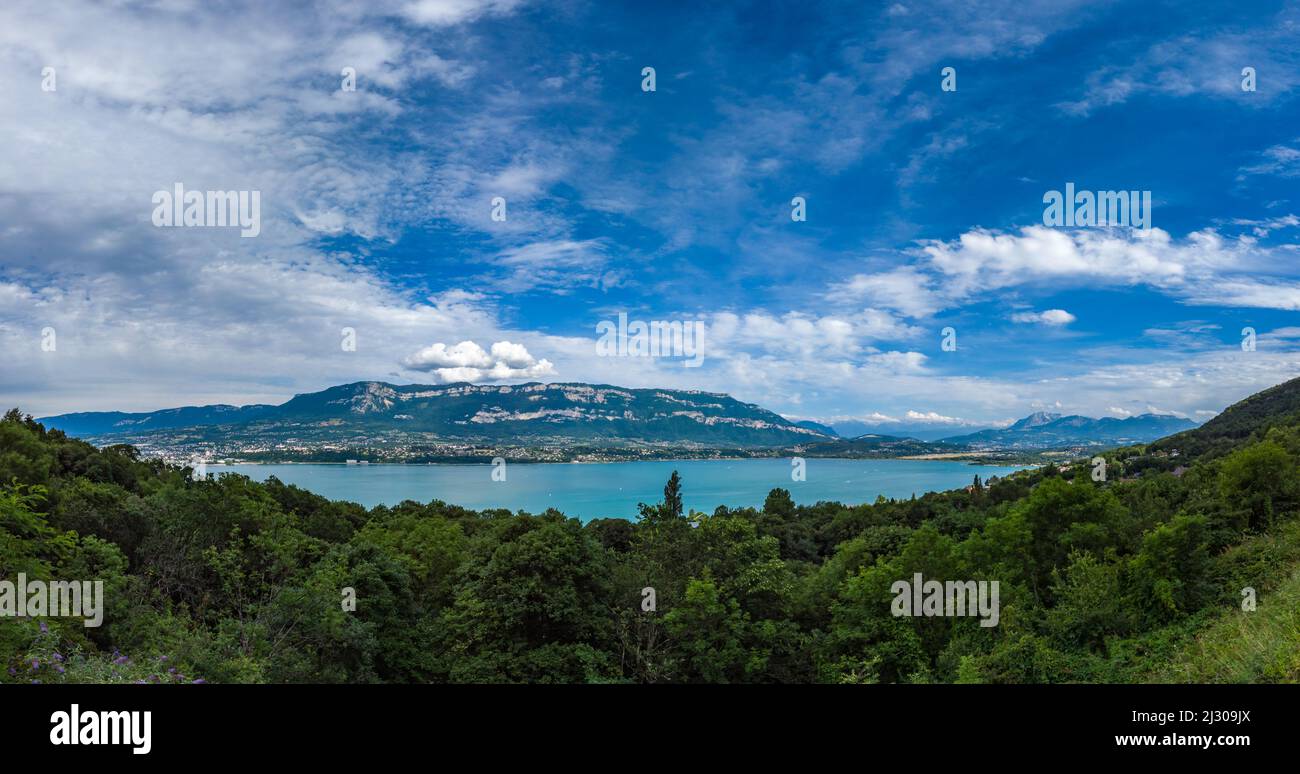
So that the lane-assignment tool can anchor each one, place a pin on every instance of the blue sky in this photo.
(924, 207)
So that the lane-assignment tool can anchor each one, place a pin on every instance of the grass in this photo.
(1262, 646)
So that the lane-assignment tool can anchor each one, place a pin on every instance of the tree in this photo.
(1170, 573)
(530, 607)
(1260, 481)
(780, 504)
(673, 496)
(709, 631)
(1039, 532)
(1089, 602)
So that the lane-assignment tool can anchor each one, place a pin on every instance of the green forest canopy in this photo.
(231, 580)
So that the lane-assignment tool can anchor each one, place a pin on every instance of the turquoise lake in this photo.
(594, 490)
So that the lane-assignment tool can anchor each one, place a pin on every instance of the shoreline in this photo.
(954, 457)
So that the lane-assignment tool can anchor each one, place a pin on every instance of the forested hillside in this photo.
(231, 580)
(1277, 406)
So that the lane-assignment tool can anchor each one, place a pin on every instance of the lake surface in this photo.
(594, 490)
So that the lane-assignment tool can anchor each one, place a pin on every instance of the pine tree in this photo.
(673, 496)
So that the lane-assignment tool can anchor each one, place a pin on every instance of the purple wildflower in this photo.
(199, 681)
(121, 660)
(44, 628)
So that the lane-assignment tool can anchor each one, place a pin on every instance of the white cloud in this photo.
(464, 354)
(905, 290)
(984, 259)
(801, 335)
(1263, 227)
(910, 362)
(154, 93)
(1246, 292)
(555, 265)
(468, 362)
(1203, 268)
(874, 418)
(1049, 317)
(1280, 160)
(933, 417)
(1285, 333)
(1201, 65)
(443, 13)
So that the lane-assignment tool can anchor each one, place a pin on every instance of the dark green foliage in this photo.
(1278, 406)
(239, 581)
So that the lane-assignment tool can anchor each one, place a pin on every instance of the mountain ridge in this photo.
(371, 413)
(1042, 430)
(460, 418)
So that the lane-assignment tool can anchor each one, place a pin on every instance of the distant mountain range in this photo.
(96, 423)
(920, 430)
(1042, 430)
(548, 422)
(448, 421)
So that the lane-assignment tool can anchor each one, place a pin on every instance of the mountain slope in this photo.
(818, 427)
(95, 423)
(921, 431)
(1278, 406)
(870, 445)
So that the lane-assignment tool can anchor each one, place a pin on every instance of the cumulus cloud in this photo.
(1049, 317)
(1205, 267)
(468, 362)
(985, 259)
